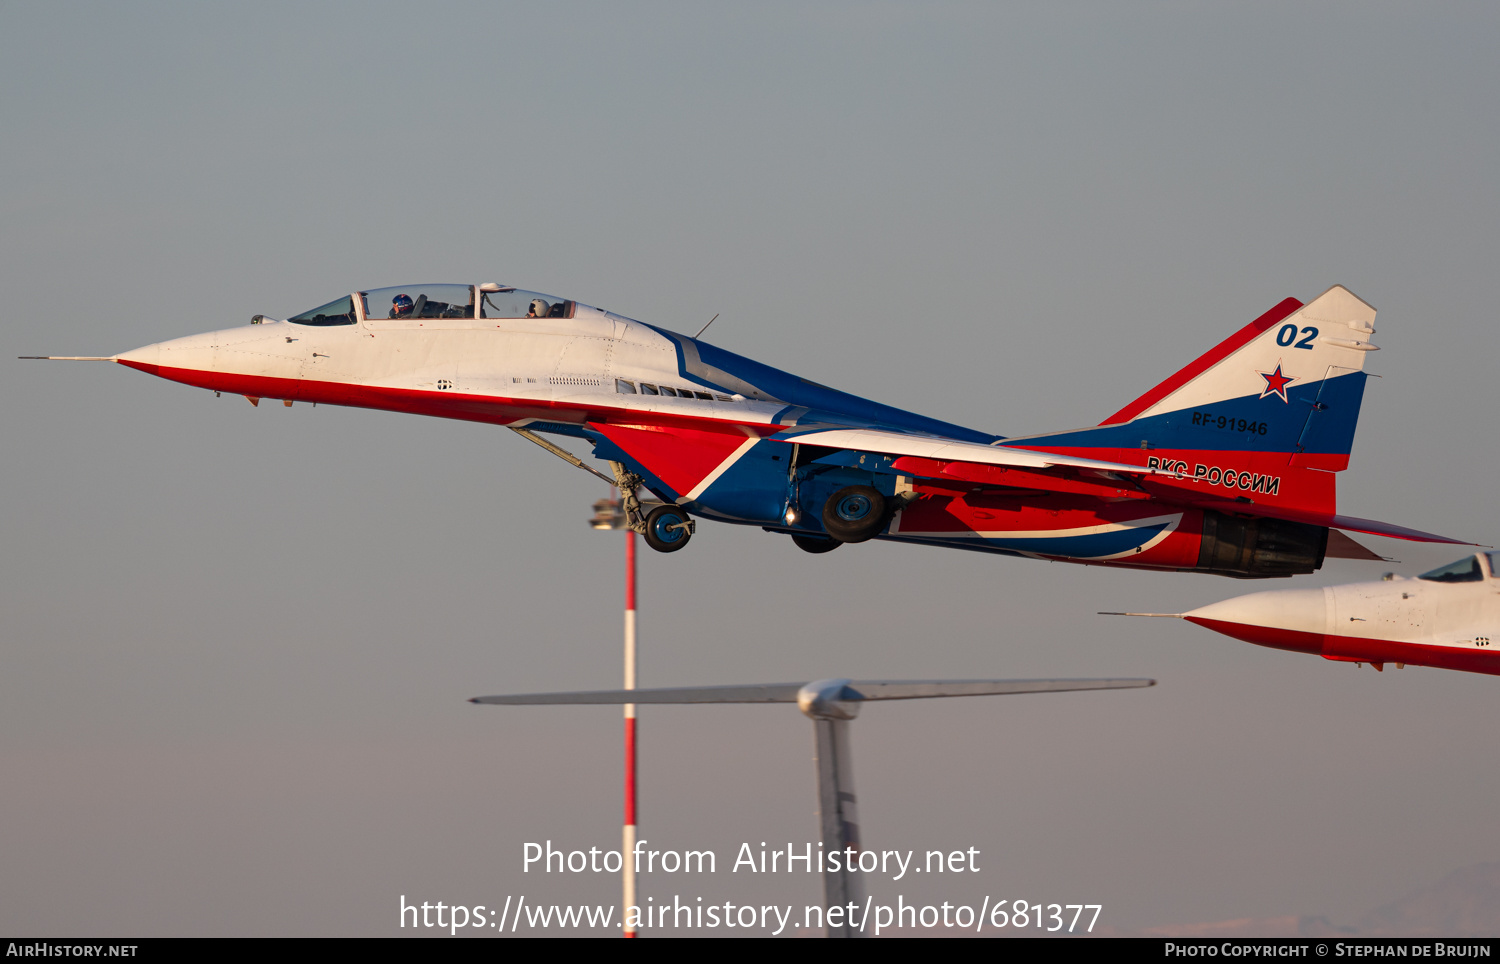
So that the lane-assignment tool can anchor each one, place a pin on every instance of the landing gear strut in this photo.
(667, 528)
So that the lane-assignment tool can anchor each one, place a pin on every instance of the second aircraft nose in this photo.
(1294, 619)
(145, 359)
(185, 359)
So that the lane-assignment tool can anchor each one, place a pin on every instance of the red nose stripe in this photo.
(1290, 639)
(1358, 648)
(141, 366)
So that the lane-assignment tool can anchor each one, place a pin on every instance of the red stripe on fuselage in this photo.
(1346, 648)
(1203, 363)
(680, 457)
(943, 515)
(1297, 487)
(494, 410)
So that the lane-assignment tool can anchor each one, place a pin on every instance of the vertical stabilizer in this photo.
(1271, 410)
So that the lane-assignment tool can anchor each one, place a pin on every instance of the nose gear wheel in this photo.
(668, 528)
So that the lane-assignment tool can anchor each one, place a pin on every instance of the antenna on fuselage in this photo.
(705, 327)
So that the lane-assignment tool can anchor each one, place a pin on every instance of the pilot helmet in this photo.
(539, 308)
(400, 305)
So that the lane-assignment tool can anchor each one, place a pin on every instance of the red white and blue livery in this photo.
(1227, 467)
(1448, 618)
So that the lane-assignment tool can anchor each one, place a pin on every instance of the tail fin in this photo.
(1295, 375)
(1280, 395)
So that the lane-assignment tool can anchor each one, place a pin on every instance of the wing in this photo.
(933, 448)
(1273, 494)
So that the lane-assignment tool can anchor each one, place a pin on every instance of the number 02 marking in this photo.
(1288, 334)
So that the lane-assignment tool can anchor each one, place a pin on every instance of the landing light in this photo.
(608, 514)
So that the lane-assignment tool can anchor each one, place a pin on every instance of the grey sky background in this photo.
(237, 642)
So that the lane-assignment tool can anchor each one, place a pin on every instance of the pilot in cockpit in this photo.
(402, 306)
(538, 309)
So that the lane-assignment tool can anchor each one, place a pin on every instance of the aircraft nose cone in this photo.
(147, 359)
(1294, 619)
(191, 353)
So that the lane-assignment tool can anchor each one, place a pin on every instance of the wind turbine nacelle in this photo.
(826, 699)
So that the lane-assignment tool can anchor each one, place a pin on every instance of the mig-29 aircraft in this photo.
(1226, 467)
(1445, 618)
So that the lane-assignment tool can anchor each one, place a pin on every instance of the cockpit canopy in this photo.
(436, 301)
(419, 301)
(1473, 569)
(340, 312)
(506, 302)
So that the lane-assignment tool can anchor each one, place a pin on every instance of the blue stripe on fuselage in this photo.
(831, 405)
(1330, 431)
(753, 488)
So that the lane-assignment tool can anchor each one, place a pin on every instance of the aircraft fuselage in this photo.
(724, 437)
(1449, 618)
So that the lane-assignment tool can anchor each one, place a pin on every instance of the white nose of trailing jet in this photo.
(194, 353)
(1294, 619)
(144, 359)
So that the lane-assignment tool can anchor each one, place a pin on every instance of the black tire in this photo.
(854, 513)
(659, 536)
(815, 543)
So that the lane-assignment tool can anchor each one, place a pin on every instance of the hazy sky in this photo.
(237, 641)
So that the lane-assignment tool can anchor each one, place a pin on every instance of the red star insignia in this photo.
(1276, 383)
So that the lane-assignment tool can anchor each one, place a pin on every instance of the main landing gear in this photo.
(815, 543)
(854, 513)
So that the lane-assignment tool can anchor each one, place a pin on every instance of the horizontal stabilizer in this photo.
(854, 691)
(1341, 546)
(1371, 527)
(1330, 521)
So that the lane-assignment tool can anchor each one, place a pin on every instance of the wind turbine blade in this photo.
(930, 689)
(856, 691)
(762, 693)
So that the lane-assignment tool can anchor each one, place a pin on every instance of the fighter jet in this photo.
(1446, 618)
(1226, 467)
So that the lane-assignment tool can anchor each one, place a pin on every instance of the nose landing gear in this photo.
(668, 528)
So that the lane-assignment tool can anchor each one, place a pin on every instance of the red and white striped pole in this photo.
(628, 853)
